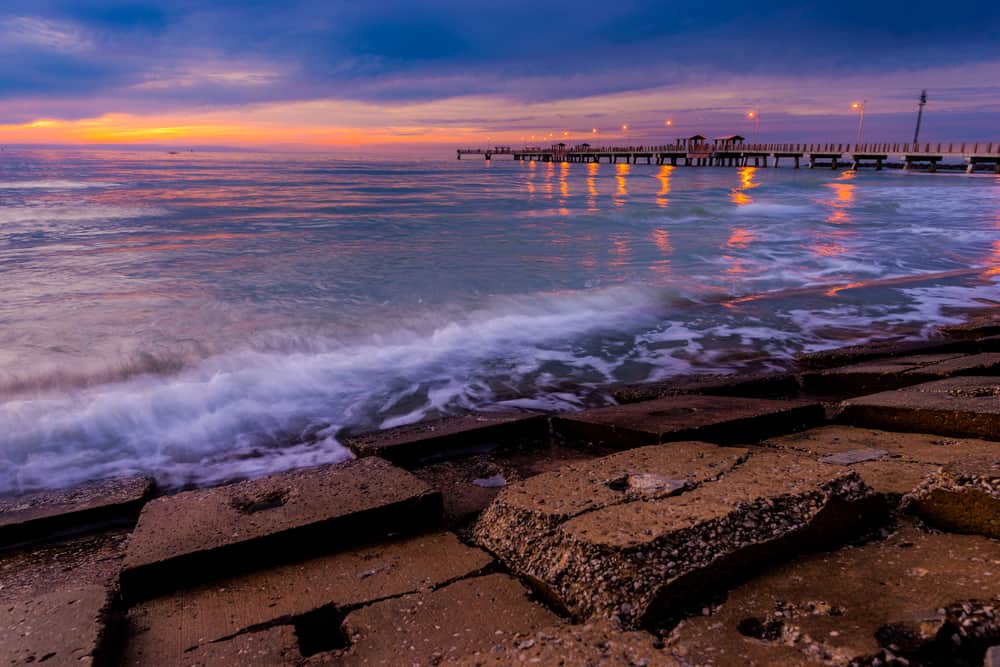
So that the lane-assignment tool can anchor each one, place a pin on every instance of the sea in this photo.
(204, 317)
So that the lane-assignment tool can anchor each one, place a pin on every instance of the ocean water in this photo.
(205, 317)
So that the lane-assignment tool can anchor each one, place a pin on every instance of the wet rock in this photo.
(195, 535)
(67, 511)
(465, 618)
(639, 558)
(712, 418)
(599, 643)
(963, 496)
(961, 407)
(320, 588)
(423, 442)
(915, 598)
(67, 626)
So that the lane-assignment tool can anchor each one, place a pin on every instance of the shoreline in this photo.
(530, 512)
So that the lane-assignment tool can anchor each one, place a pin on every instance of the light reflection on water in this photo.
(206, 316)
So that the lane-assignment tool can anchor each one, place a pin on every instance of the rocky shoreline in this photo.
(845, 512)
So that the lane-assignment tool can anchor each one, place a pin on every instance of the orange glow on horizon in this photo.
(215, 129)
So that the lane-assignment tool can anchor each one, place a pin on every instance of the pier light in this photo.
(754, 115)
(860, 106)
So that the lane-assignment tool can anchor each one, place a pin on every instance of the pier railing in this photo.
(930, 148)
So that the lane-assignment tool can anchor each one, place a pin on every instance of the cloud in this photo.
(76, 59)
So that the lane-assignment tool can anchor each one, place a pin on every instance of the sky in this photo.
(338, 73)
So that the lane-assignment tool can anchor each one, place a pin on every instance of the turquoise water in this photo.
(210, 316)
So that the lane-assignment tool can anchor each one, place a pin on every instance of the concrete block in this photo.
(196, 535)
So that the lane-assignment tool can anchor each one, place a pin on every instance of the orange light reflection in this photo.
(664, 177)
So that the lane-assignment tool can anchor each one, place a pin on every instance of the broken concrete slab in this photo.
(67, 626)
(63, 512)
(453, 436)
(645, 473)
(894, 372)
(462, 619)
(966, 407)
(600, 642)
(30, 571)
(191, 536)
(646, 556)
(686, 417)
(962, 496)
(919, 596)
(891, 463)
(270, 647)
(173, 625)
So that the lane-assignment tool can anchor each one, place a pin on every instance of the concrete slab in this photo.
(881, 374)
(62, 627)
(891, 463)
(645, 473)
(470, 483)
(854, 354)
(271, 647)
(978, 325)
(454, 436)
(171, 626)
(961, 407)
(595, 643)
(196, 535)
(962, 496)
(758, 385)
(922, 597)
(463, 619)
(646, 556)
(34, 570)
(686, 417)
(61, 512)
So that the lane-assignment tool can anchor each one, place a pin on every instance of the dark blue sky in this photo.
(457, 68)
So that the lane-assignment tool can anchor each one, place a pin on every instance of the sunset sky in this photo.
(296, 74)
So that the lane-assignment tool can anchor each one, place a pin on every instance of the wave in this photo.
(283, 404)
(258, 411)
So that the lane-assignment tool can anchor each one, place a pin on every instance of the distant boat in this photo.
(172, 152)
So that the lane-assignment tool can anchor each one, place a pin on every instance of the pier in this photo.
(733, 152)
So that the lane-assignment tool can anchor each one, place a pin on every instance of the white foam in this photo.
(54, 184)
(75, 213)
(253, 412)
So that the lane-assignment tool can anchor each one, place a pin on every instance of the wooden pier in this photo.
(729, 153)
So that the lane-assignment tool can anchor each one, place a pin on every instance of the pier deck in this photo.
(929, 155)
